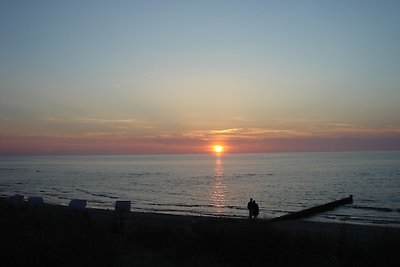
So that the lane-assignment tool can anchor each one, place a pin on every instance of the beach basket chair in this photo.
(77, 204)
(122, 207)
(122, 210)
(15, 199)
(35, 201)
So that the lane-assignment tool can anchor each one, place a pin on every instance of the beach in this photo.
(55, 235)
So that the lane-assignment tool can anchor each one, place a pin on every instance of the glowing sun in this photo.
(218, 149)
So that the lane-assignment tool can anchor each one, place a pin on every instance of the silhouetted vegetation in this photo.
(54, 236)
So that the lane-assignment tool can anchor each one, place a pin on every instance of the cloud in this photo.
(132, 135)
(8, 119)
(122, 143)
(110, 122)
(235, 133)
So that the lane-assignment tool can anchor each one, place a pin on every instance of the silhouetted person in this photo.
(256, 209)
(250, 207)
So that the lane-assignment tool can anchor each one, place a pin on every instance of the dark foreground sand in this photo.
(57, 236)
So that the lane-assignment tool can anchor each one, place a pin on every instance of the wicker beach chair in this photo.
(35, 201)
(122, 211)
(16, 199)
(122, 207)
(77, 204)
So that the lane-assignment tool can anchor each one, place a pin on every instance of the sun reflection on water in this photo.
(219, 188)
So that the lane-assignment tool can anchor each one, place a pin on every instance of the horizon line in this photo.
(196, 153)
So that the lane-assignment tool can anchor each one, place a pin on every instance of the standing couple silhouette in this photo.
(253, 208)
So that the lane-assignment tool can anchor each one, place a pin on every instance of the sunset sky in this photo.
(120, 77)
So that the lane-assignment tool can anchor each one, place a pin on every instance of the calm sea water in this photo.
(210, 185)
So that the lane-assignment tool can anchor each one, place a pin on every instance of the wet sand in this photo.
(54, 235)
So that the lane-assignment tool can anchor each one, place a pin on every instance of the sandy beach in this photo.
(54, 235)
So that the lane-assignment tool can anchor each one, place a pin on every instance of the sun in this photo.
(218, 149)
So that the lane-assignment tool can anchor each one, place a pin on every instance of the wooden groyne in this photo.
(315, 210)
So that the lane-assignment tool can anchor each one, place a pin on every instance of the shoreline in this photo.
(98, 214)
(309, 219)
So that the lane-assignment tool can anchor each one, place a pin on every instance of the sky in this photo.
(132, 77)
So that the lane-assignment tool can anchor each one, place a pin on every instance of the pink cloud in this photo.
(183, 144)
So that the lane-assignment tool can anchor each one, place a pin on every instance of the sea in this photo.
(217, 185)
